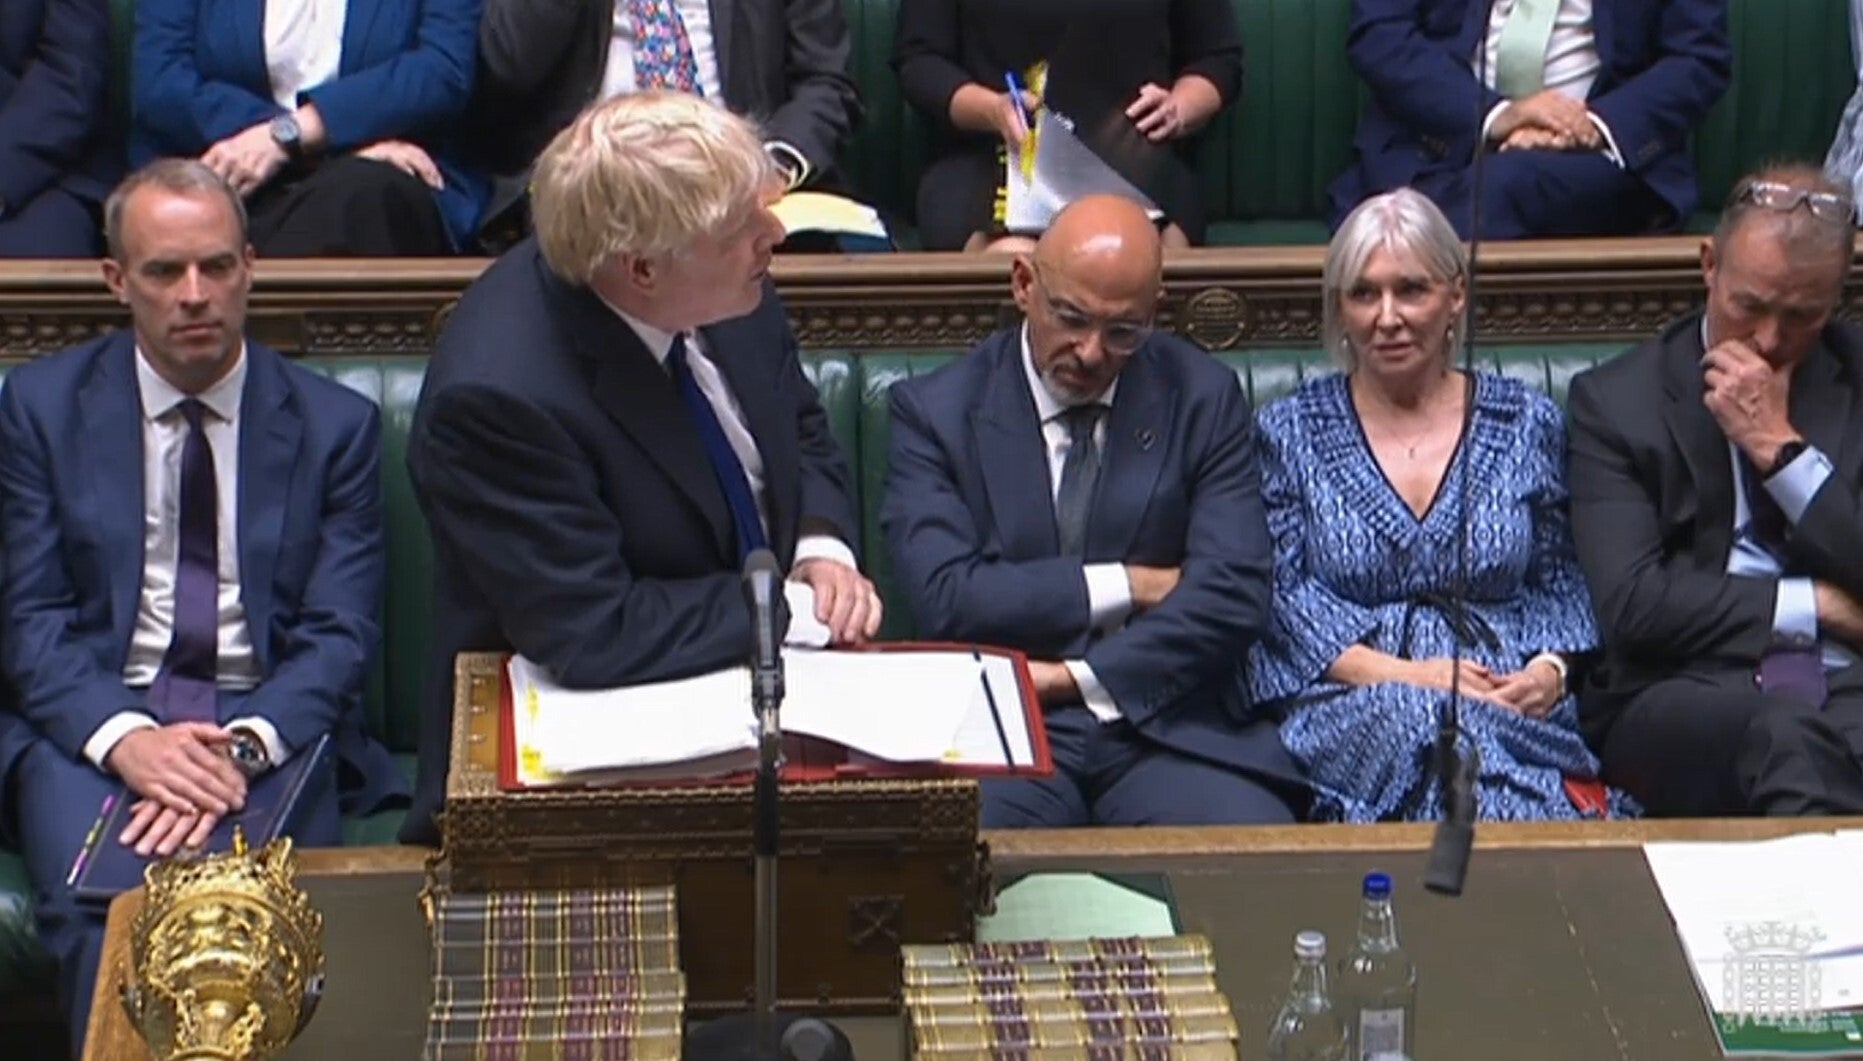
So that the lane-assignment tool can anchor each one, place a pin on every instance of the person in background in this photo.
(1717, 500)
(951, 56)
(1844, 163)
(336, 120)
(1585, 112)
(615, 417)
(1363, 476)
(783, 61)
(57, 157)
(192, 532)
(1083, 488)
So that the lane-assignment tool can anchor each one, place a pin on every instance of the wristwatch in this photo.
(248, 753)
(1787, 454)
(286, 134)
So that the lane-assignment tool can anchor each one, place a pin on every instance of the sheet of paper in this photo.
(699, 718)
(978, 739)
(1743, 908)
(1065, 169)
(901, 706)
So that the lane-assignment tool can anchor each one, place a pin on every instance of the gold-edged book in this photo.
(1010, 1010)
(461, 991)
(1105, 949)
(1083, 976)
(1200, 982)
(1138, 1032)
(1211, 1051)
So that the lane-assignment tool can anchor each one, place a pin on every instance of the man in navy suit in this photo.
(193, 539)
(615, 417)
(56, 157)
(1086, 489)
(1585, 111)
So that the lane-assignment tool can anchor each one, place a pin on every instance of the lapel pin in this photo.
(1146, 438)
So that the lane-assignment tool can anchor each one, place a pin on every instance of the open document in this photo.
(940, 709)
(1063, 169)
(1773, 932)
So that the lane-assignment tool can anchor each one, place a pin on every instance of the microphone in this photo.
(763, 581)
(1457, 769)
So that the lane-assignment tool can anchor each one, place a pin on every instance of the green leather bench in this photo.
(853, 387)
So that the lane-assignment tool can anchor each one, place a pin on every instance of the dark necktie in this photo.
(1080, 472)
(184, 689)
(1787, 670)
(725, 465)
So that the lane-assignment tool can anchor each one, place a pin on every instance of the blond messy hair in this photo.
(645, 173)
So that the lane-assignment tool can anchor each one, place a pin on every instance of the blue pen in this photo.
(989, 695)
(1015, 96)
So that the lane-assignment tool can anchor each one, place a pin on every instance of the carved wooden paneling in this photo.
(1225, 298)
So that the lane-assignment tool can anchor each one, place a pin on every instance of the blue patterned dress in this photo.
(1354, 565)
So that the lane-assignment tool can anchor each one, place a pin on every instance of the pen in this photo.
(90, 840)
(1015, 96)
(989, 694)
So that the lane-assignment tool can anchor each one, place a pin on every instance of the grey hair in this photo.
(1403, 222)
(1804, 236)
(180, 175)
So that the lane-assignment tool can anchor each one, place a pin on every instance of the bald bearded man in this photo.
(1085, 488)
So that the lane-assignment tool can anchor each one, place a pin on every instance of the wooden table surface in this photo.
(1566, 902)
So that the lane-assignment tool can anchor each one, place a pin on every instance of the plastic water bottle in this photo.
(1308, 1028)
(1378, 981)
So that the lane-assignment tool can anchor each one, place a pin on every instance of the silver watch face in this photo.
(247, 753)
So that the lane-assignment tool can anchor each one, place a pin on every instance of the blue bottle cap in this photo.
(1377, 886)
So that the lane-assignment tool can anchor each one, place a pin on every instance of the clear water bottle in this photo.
(1308, 1028)
(1378, 981)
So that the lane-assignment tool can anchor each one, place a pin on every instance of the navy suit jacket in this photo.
(406, 74)
(310, 551)
(54, 99)
(1665, 63)
(970, 525)
(574, 513)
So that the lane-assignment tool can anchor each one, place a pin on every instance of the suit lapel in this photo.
(110, 437)
(772, 428)
(358, 34)
(1133, 455)
(1604, 29)
(1823, 397)
(271, 432)
(1702, 445)
(1013, 458)
(1475, 16)
(641, 399)
(724, 33)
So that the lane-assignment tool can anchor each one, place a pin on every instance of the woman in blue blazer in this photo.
(336, 119)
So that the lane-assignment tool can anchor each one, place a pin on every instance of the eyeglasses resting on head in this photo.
(1785, 198)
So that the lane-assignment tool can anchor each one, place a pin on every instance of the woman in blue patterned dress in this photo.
(1360, 477)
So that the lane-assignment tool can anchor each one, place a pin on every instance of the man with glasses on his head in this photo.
(1086, 489)
(1723, 537)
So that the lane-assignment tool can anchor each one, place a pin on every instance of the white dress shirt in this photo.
(303, 45)
(804, 628)
(618, 75)
(1572, 60)
(1109, 593)
(164, 433)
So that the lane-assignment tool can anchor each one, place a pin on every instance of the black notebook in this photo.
(274, 802)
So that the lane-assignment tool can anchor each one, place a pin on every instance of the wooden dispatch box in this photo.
(865, 865)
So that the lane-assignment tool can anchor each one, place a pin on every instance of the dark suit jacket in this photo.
(406, 74)
(971, 528)
(310, 551)
(1666, 62)
(784, 62)
(1653, 512)
(54, 99)
(575, 516)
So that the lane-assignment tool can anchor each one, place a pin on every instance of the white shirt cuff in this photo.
(114, 729)
(1795, 614)
(1092, 694)
(1610, 142)
(1109, 594)
(823, 547)
(805, 630)
(1798, 482)
(796, 167)
(1488, 122)
(267, 733)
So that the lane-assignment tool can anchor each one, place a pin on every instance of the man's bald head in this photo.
(1107, 242)
(1089, 292)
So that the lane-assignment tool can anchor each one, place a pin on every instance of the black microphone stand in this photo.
(1456, 769)
(765, 1035)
